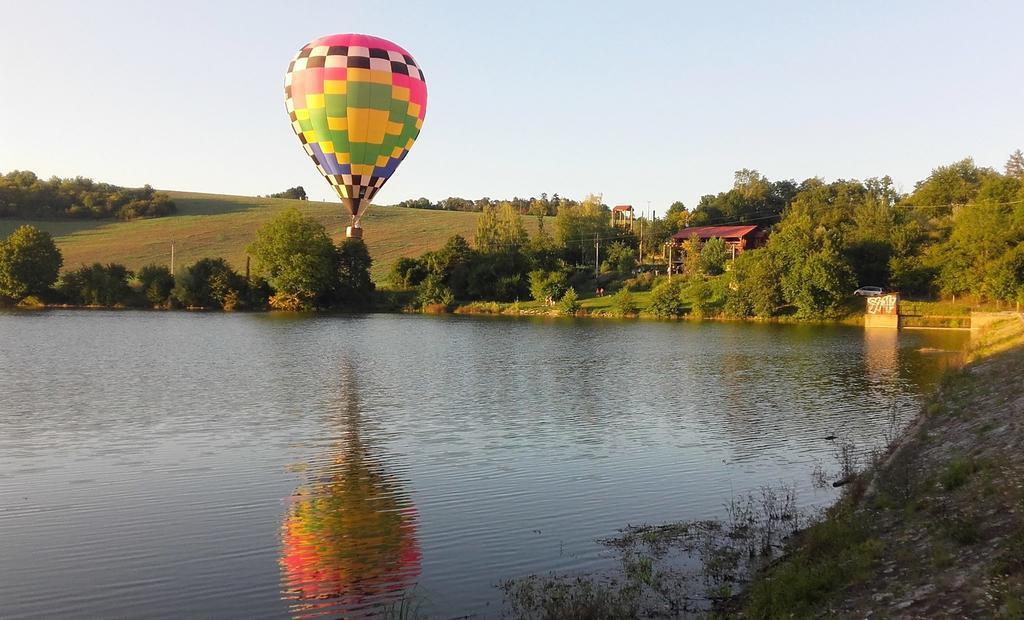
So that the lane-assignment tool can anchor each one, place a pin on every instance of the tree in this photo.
(500, 229)
(713, 256)
(296, 193)
(577, 227)
(354, 262)
(297, 257)
(691, 249)
(1015, 165)
(620, 259)
(29, 263)
(753, 198)
(824, 280)
(955, 184)
(23, 194)
(407, 272)
(451, 265)
(677, 216)
(156, 283)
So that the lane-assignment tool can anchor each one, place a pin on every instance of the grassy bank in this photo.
(935, 526)
(211, 225)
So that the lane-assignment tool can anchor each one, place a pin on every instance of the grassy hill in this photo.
(209, 225)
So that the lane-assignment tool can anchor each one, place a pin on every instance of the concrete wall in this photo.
(882, 321)
(981, 319)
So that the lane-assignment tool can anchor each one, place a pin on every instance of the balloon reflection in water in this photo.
(349, 536)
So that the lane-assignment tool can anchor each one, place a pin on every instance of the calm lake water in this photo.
(171, 464)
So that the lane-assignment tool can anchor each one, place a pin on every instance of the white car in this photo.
(869, 291)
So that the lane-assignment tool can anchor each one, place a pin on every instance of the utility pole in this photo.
(642, 215)
(597, 255)
(669, 261)
(172, 258)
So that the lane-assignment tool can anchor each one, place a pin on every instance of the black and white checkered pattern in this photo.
(355, 56)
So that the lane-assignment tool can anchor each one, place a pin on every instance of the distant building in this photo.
(622, 216)
(737, 238)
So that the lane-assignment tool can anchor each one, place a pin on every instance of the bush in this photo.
(713, 256)
(546, 285)
(570, 304)
(620, 259)
(156, 283)
(210, 283)
(434, 292)
(708, 297)
(97, 285)
(666, 301)
(623, 304)
(702, 299)
(407, 272)
(956, 473)
(642, 282)
(354, 286)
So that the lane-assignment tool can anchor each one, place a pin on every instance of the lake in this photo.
(263, 465)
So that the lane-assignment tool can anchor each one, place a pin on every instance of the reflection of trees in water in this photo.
(349, 535)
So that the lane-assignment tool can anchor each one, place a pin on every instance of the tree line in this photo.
(26, 196)
(297, 268)
(959, 232)
(544, 205)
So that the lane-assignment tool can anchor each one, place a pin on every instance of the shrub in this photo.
(623, 304)
(353, 285)
(642, 282)
(548, 284)
(210, 283)
(666, 301)
(957, 472)
(570, 304)
(713, 256)
(433, 292)
(156, 283)
(620, 259)
(407, 272)
(97, 285)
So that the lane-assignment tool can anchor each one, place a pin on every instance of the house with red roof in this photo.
(737, 238)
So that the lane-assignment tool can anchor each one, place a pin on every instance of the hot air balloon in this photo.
(357, 103)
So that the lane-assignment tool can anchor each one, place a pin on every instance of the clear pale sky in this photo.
(637, 101)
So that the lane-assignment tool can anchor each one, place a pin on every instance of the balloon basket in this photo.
(353, 232)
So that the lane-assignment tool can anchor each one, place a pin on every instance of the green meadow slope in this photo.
(209, 225)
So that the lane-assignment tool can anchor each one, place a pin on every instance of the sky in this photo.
(644, 103)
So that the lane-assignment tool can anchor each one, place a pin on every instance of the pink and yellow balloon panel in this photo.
(357, 104)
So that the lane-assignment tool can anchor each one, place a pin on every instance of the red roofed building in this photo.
(622, 215)
(737, 238)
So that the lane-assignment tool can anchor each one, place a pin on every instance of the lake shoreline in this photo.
(508, 310)
(935, 524)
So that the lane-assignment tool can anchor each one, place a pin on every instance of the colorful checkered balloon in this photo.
(357, 104)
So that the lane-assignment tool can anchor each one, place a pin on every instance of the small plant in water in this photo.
(667, 570)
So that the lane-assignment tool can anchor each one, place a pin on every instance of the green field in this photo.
(210, 225)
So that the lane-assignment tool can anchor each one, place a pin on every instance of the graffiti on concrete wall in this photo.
(884, 304)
